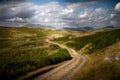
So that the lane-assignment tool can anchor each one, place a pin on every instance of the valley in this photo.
(51, 54)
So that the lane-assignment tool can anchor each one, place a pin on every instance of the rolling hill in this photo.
(25, 49)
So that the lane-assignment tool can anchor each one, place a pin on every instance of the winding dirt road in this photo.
(67, 70)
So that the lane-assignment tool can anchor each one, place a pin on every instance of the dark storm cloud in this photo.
(16, 9)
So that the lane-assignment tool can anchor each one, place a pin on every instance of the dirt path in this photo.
(67, 70)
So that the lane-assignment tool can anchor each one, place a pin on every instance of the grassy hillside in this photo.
(105, 71)
(98, 68)
(25, 49)
(97, 47)
(95, 42)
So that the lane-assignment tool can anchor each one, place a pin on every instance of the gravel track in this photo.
(66, 70)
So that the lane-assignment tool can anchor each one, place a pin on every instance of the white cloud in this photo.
(92, 3)
(12, 9)
(100, 10)
(74, 5)
(115, 16)
(117, 7)
(112, 14)
(16, 19)
(83, 15)
(67, 11)
(54, 14)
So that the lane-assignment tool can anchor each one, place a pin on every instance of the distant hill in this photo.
(22, 24)
(38, 26)
(80, 28)
(109, 27)
(12, 24)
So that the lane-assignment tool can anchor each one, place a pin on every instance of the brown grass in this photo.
(97, 59)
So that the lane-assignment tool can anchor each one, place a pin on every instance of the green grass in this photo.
(25, 49)
(59, 56)
(98, 41)
(18, 62)
(64, 39)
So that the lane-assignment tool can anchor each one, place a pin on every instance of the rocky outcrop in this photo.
(112, 58)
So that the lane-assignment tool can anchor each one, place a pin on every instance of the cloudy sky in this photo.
(60, 13)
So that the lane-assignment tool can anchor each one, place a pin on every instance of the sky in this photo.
(60, 13)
